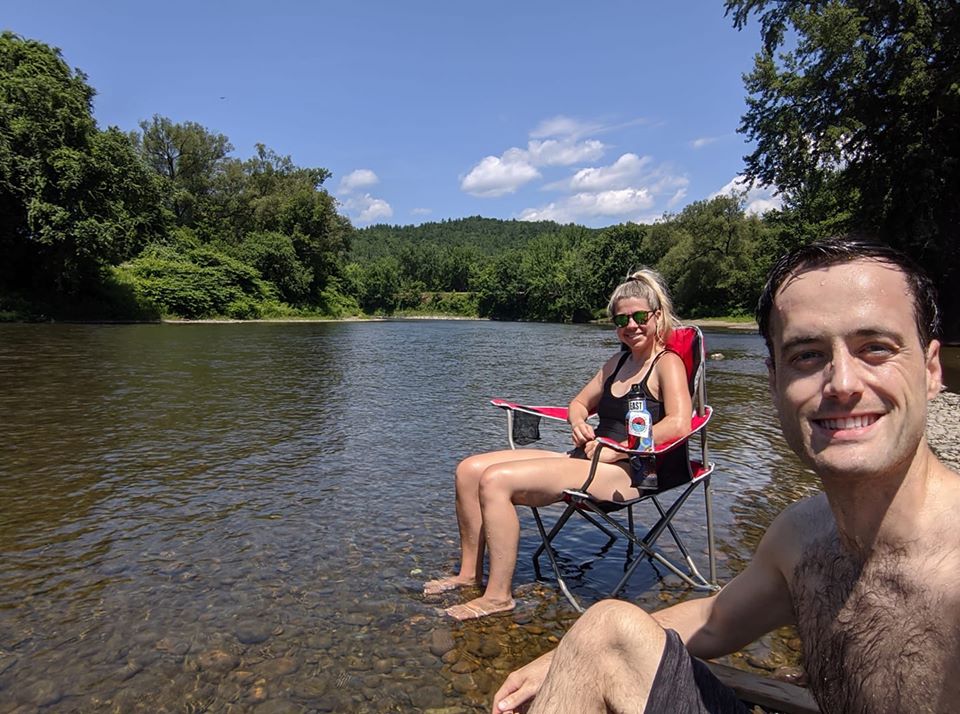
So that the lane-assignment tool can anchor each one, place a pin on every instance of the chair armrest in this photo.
(697, 422)
(557, 413)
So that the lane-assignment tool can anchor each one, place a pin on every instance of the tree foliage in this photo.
(168, 221)
(73, 199)
(855, 110)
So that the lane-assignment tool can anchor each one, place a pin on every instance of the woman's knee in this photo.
(495, 483)
(468, 472)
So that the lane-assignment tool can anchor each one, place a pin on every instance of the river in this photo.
(240, 517)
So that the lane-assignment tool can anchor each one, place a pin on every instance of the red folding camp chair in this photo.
(523, 427)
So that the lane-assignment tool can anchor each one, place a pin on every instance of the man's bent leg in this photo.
(606, 662)
(685, 684)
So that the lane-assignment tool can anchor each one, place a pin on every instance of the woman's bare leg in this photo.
(470, 519)
(531, 482)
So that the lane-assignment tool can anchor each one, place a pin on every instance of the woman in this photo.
(489, 486)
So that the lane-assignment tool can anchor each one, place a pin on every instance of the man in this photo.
(868, 570)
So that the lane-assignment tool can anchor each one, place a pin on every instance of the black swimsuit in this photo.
(671, 467)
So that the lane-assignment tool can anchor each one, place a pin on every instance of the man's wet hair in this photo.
(835, 251)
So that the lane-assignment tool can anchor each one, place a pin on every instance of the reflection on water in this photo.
(241, 517)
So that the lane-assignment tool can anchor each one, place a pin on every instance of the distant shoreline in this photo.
(749, 326)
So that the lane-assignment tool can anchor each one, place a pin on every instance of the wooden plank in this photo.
(768, 693)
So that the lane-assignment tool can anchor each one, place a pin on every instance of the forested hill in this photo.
(488, 236)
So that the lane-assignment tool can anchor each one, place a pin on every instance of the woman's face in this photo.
(636, 336)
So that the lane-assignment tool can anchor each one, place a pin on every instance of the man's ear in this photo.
(934, 369)
(772, 381)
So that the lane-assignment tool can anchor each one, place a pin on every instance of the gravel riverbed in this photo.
(943, 428)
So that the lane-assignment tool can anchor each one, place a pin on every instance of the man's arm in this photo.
(755, 602)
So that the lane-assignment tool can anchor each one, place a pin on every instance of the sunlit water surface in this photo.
(235, 518)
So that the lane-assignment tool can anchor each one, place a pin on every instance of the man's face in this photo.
(849, 378)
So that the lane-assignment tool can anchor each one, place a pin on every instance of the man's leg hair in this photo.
(606, 662)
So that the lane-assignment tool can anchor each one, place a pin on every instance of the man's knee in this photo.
(615, 625)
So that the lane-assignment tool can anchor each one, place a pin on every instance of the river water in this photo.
(240, 517)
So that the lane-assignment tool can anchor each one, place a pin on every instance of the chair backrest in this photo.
(687, 341)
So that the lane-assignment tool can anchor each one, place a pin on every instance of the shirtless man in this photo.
(868, 571)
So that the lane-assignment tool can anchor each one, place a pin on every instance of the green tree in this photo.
(717, 258)
(189, 159)
(855, 110)
(73, 199)
(288, 199)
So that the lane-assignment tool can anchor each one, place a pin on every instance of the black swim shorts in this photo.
(685, 685)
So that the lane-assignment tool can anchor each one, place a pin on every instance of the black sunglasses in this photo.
(640, 317)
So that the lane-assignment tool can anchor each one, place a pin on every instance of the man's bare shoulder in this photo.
(797, 526)
(806, 515)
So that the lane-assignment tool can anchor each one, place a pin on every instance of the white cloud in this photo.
(563, 153)
(615, 203)
(620, 174)
(495, 176)
(627, 189)
(702, 141)
(757, 200)
(563, 126)
(361, 178)
(421, 211)
(366, 208)
(498, 176)
(680, 194)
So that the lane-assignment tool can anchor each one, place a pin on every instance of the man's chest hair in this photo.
(876, 634)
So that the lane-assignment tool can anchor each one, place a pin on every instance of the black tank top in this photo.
(613, 410)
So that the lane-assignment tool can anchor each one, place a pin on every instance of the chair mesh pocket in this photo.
(526, 428)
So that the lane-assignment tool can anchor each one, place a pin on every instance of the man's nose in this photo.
(843, 375)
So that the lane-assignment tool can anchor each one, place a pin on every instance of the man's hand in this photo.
(519, 689)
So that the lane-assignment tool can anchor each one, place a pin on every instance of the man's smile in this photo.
(858, 421)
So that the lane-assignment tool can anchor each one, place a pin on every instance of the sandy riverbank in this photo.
(749, 326)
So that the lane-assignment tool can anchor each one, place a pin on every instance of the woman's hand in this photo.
(519, 689)
(607, 456)
(582, 434)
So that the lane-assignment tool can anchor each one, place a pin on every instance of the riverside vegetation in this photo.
(166, 221)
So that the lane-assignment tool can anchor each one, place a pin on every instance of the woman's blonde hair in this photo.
(647, 284)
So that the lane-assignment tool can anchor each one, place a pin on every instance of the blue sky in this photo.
(594, 113)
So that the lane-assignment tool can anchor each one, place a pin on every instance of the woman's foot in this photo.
(481, 607)
(442, 585)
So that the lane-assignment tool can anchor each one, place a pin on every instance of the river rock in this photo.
(463, 666)
(279, 667)
(792, 674)
(441, 642)
(358, 619)
(311, 689)
(43, 693)
(427, 697)
(463, 683)
(217, 661)
(943, 424)
(486, 648)
(278, 706)
(252, 632)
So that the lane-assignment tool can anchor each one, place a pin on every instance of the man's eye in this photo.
(805, 358)
(876, 349)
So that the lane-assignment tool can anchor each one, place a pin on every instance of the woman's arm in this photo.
(585, 403)
(671, 378)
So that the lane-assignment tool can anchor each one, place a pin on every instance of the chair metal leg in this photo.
(545, 545)
(711, 555)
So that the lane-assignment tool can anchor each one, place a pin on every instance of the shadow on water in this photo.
(241, 517)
